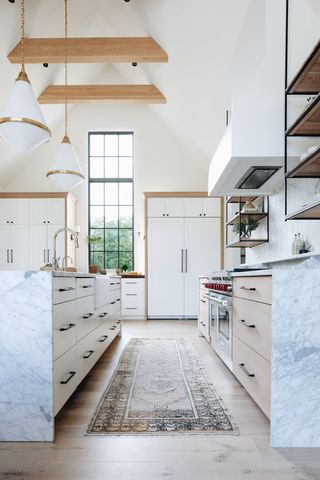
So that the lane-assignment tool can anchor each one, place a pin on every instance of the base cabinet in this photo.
(81, 332)
(133, 298)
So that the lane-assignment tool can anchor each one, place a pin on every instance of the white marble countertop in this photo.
(252, 273)
(58, 273)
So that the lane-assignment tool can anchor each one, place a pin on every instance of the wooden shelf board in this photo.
(308, 124)
(236, 199)
(245, 216)
(101, 94)
(307, 80)
(247, 243)
(307, 212)
(309, 167)
(90, 50)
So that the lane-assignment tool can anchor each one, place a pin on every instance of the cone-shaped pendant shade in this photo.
(65, 170)
(21, 121)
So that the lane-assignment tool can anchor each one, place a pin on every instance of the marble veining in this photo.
(26, 409)
(295, 413)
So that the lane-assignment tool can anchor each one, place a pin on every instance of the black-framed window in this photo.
(111, 199)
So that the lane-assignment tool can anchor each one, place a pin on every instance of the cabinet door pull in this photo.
(64, 328)
(112, 283)
(103, 338)
(66, 289)
(181, 260)
(112, 303)
(71, 375)
(48, 256)
(242, 366)
(186, 261)
(203, 301)
(8, 256)
(250, 289)
(118, 299)
(87, 315)
(11, 254)
(131, 283)
(103, 314)
(44, 255)
(119, 321)
(87, 286)
(131, 308)
(88, 354)
(243, 322)
(131, 294)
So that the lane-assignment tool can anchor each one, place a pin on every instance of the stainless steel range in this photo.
(220, 314)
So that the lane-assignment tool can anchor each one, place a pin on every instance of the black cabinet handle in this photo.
(250, 289)
(114, 327)
(119, 321)
(71, 375)
(88, 355)
(112, 303)
(243, 322)
(242, 366)
(66, 289)
(67, 327)
(87, 286)
(203, 301)
(118, 299)
(103, 338)
(112, 283)
(87, 315)
(103, 314)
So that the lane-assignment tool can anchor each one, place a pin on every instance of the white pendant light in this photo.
(65, 169)
(22, 123)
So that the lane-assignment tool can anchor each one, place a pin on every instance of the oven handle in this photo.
(217, 300)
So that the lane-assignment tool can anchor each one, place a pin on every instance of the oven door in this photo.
(213, 313)
(223, 344)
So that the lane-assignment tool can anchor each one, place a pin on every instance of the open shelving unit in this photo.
(305, 82)
(241, 217)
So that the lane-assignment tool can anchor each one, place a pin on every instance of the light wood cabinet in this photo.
(252, 317)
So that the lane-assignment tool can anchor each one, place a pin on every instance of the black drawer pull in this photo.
(87, 286)
(67, 327)
(66, 289)
(103, 314)
(112, 303)
(103, 338)
(88, 355)
(71, 375)
(118, 299)
(113, 328)
(119, 321)
(87, 315)
(250, 289)
(203, 301)
(243, 322)
(242, 366)
(112, 283)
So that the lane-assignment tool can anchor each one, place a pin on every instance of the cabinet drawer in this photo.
(133, 286)
(88, 353)
(65, 377)
(86, 318)
(64, 327)
(253, 325)
(85, 287)
(258, 385)
(131, 308)
(253, 288)
(64, 289)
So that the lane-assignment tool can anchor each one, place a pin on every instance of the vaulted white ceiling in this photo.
(199, 37)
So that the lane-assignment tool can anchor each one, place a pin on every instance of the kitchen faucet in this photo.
(74, 236)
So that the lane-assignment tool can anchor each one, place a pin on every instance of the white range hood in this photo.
(255, 136)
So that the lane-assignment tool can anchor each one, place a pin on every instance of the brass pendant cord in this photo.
(22, 17)
(65, 67)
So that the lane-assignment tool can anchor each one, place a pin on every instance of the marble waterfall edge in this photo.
(295, 413)
(26, 410)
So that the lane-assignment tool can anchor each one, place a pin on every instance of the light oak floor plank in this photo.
(74, 456)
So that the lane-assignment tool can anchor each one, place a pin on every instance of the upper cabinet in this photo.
(47, 210)
(13, 211)
(166, 207)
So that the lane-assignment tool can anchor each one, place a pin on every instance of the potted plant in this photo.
(245, 228)
(124, 267)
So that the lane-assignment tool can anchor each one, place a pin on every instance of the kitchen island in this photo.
(52, 332)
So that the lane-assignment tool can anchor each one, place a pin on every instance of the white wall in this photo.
(162, 163)
(304, 32)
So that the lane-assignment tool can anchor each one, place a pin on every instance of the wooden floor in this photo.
(73, 456)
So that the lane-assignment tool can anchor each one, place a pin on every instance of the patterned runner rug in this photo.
(160, 387)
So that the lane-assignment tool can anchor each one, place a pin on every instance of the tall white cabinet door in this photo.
(202, 254)
(19, 250)
(38, 252)
(37, 211)
(5, 247)
(165, 267)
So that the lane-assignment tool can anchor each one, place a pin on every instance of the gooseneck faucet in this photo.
(74, 236)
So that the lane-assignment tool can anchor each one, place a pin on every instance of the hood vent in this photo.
(255, 177)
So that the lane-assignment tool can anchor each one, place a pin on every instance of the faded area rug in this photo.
(160, 387)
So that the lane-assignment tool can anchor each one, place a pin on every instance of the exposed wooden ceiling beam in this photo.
(105, 94)
(90, 50)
